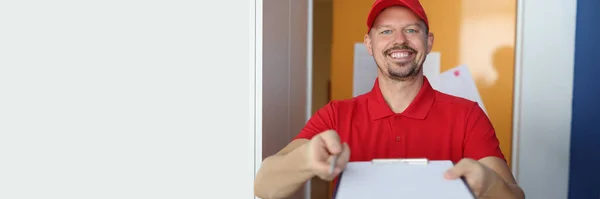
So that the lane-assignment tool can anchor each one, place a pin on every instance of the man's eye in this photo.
(411, 30)
(386, 32)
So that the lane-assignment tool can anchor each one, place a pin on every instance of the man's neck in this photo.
(399, 94)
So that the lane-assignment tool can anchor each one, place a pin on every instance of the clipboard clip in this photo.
(420, 161)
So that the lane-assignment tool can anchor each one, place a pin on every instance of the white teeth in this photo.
(399, 55)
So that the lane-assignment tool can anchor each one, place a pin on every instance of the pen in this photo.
(332, 165)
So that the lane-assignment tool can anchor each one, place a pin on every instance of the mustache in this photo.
(399, 47)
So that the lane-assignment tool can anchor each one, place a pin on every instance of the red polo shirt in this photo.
(435, 125)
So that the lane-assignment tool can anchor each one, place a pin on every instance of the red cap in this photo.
(381, 5)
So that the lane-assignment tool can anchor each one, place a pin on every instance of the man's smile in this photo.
(403, 55)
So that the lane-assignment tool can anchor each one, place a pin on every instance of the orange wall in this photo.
(480, 34)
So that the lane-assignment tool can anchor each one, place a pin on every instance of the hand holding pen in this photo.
(327, 156)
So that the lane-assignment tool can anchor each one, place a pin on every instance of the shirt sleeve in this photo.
(322, 120)
(481, 140)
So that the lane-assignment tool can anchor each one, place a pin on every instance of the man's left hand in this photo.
(479, 177)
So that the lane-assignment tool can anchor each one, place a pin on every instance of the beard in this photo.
(400, 70)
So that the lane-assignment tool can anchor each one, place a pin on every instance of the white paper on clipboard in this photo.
(400, 180)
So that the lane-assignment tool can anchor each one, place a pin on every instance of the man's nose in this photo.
(399, 37)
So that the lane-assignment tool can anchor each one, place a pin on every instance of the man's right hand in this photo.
(322, 150)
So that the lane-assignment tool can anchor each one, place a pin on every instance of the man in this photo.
(402, 117)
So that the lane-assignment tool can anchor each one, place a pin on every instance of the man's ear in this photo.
(429, 42)
(367, 42)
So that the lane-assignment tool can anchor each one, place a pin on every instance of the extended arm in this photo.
(505, 186)
(483, 145)
(282, 174)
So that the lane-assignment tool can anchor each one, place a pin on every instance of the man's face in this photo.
(399, 42)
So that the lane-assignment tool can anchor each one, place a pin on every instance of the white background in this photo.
(127, 99)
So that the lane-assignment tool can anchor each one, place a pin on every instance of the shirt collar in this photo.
(417, 109)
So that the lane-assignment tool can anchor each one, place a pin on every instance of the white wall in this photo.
(127, 99)
(543, 96)
(284, 73)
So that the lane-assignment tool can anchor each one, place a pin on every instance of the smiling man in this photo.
(401, 117)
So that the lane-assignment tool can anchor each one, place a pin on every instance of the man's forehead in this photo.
(396, 13)
(392, 20)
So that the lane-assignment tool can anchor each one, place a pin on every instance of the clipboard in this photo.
(399, 178)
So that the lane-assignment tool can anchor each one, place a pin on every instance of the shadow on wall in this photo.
(503, 62)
